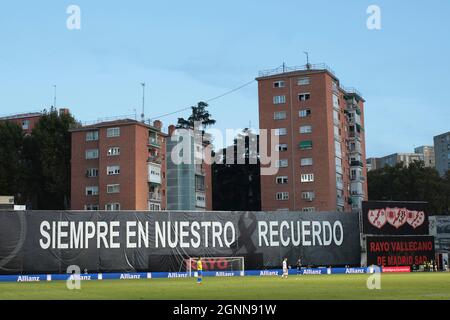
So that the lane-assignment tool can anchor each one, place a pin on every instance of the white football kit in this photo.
(285, 269)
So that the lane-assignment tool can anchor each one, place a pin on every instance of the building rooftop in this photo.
(306, 69)
(21, 116)
(117, 122)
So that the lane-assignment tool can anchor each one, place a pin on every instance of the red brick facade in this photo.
(321, 114)
(133, 152)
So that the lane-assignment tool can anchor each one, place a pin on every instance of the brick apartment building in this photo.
(118, 165)
(27, 121)
(320, 125)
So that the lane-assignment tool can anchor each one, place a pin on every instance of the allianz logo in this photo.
(28, 279)
(127, 276)
(311, 271)
(177, 275)
(80, 277)
(268, 273)
(224, 274)
(352, 270)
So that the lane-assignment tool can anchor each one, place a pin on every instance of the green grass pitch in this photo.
(434, 286)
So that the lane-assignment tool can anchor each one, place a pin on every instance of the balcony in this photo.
(154, 197)
(199, 170)
(356, 164)
(200, 201)
(354, 135)
(357, 178)
(154, 173)
(153, 141)
(354, 147)
(357, 193)
(154, 159)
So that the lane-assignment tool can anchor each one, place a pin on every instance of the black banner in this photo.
(49, 242)
(399, 251)
(395, 218)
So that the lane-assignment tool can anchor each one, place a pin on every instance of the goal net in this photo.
(216, 264)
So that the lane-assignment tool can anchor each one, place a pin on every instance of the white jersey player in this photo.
(285, 268)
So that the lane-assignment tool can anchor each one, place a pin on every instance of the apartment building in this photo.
(442, 152)
(429, 157)
(320, 125)
(27, 121)
(372, 164)
(393, 159)
(118, 165)
(188, 176)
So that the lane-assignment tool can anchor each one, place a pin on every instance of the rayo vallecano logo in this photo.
(396, 217)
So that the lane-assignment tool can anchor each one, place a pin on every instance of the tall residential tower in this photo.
(320, 125)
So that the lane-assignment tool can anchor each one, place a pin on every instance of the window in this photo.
(282, 180)
(199, 183)
(279, 99)
(112, 170)
(337, 146)
(308, 195)
(283, 163)
(91, 207)
(304, 113)
(306, 145)
(92, 136)
(309, 177)
(154, 206)
(92, 154)
(281, 196)
(92, 173)
(281, 115)
(279, 84)
(113, 132)
(281, 132)
(113, 188)
(112, 207)
(304, 96)
(337, 117)
(306, 162)
(335, 101)
(303, 81)
(153, 139)
(91, 191)
(306, 129)
(311, 209)
(113, 151)
(25, 124)
(282, 147)
(334, 86)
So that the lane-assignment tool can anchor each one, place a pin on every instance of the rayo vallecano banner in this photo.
(49, 242)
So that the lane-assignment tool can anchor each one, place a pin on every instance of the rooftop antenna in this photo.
(284, 67)
(143, 102)
(308, 65)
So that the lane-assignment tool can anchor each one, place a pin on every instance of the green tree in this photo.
(11, 164)
(199, 113)
(48, 155)
(413, 183)
(242, 177)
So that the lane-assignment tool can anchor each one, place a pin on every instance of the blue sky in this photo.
(192, 51)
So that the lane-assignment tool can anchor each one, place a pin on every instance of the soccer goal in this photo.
(216, 264)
